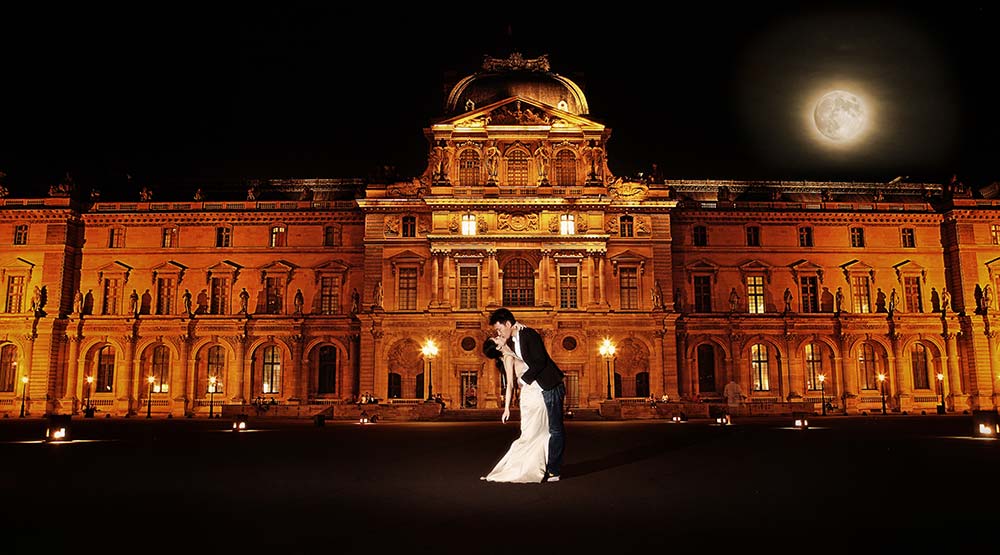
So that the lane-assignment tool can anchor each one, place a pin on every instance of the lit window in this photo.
(468, 224)
(220, 296)
(814, 366)
(271, 371)
(861, 293)
(110, 300)
(995, 233)
(169, 237)
(279, 236)
(274, 295)
(223, 236)
(105, 369)
(759, 364)
(755, 294)
(216, 369)
(8, 368)
(161, 369)
(165, 296)
(567, 224)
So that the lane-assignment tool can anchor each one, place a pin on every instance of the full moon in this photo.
(839, 116)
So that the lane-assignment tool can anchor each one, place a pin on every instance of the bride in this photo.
(525, 460)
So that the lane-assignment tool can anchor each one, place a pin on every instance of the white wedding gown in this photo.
(525, 460)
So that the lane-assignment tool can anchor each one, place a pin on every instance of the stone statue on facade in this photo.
(244, 300)
(377, 294)
(133, 303)
(298, 301)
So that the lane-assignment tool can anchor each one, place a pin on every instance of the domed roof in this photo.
(516, 76)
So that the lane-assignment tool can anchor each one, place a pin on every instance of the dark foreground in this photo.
(856, 484)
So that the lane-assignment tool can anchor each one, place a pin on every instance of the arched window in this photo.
(565, 168)
(518, 283)
(8, 368)
(867, 367)
(105, 369)
(160, 369)
(396, 386)
(814, 366)
(327, 370)
(918, 358)
(706, 368)
(271, 370)
(468, 168)
(517, 169)
(759, 364)
(216, 368)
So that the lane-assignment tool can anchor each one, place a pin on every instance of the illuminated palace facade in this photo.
(315, 292)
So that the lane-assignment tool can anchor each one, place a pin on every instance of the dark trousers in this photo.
(557, 437)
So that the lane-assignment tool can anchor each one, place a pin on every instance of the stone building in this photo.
(316, 292)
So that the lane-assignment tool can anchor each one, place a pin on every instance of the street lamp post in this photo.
(211, 397)
(881, 380)
(430, 350)
(90, 383)
(940, 379)
(822, 392)
(24, 393)
(607, 351)
(149, 398)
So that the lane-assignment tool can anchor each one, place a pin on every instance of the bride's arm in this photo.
(508, 366)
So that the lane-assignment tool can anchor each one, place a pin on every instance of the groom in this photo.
(528, 345)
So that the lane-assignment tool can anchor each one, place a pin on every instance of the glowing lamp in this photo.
(985, 424)
(240, 423)
(57, 428)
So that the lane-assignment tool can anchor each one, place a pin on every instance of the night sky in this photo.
(194, 97)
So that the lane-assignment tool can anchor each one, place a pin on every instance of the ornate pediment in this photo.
(115, 268)
(18, 266)
(406, 257)
(519, 110)
(224, 267)
(169, 268)
(909, 267)
(754, 267)
(334, 267)
(805, 267)
(278, 268)
(857, 267)
(628, 258)
(702, 267)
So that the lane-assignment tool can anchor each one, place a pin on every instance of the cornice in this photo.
(246, 218)
(688, 216)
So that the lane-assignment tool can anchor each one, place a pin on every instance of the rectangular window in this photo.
(814, 367)
(909, 237)
(809, 294)
(406, 298)
(568, 286)
(223, 237)
(567, 224)
(805, 236)
(271, 371)
(755, 294)
(279, 236)
(274, 295)
(468, 287)
(703, 293)
(857, 236)
(468, 224)
(165, 296)
(410, 226)
(15, 294)
(759, 367)
(628, 281)
(332, 235)
(517, 169)
(20, 235)
(861, 294)
(105, 370)
(220, 296)
(911, 292)
(116, 238)
(995, 233)
(625, 226)
(329, 295)
(110, 301)
(753, 236)
(700, 235)
(168, 235)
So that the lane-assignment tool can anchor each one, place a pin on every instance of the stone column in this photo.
(299, 370)
(435, 282)
(35, 388)
(185, 387)
(74, 384)
(954, 374)
(903, 388)
(237, 376)
(449, 263)
(129, 390)
(991, 345)
(587, 271)
(543, 276)
(497, 286)
(848, 375)
(601, 291)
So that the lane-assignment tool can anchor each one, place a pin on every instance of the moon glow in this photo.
(839, 116)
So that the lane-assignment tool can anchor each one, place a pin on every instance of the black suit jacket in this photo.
(541, 367)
